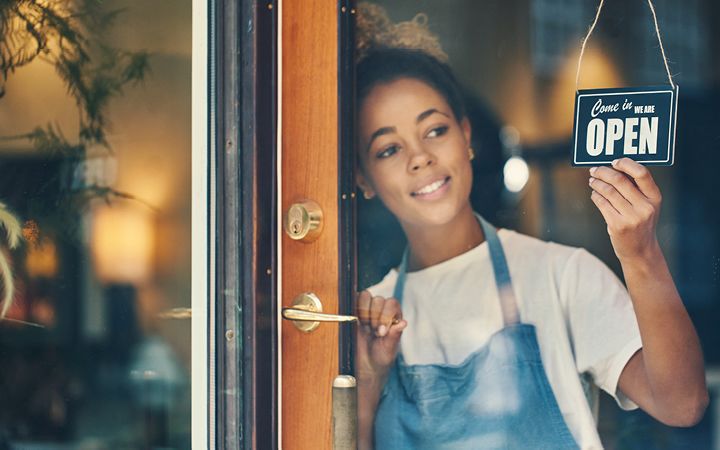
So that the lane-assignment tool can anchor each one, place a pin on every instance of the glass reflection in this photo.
(95, 185)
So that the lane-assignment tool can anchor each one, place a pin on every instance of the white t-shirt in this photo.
(582, 312)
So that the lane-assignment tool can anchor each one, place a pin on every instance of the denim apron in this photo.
(498, 398)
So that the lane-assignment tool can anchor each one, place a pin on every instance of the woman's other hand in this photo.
(629, 200)
(378, 335)
(381, 325)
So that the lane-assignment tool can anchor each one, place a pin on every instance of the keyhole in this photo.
(303, 220)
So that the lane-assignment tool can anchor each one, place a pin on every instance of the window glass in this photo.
(95, 191)
(516, 63)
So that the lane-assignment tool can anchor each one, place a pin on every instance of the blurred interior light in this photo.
(122, 243)
(515, 174)
(42, 259)
(598, 70)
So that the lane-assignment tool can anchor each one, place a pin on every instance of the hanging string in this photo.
(592, 27)
(584, 42)
(662, 49)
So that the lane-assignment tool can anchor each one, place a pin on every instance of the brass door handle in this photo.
(306, 313)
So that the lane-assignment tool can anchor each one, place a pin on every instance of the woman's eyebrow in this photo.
(427, 113)
(379, 132)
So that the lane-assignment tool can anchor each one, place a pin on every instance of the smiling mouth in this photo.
(432, 187)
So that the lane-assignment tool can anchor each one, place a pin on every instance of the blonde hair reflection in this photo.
(13, 231)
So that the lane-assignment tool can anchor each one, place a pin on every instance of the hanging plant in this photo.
(70, 36)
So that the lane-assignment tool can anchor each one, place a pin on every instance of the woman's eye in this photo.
(388, 151)
(437, 131)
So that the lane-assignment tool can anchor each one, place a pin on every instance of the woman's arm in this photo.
(666, 378)
(369, 389)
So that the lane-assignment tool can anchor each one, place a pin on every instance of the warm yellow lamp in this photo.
(122, 243)
(41, 260)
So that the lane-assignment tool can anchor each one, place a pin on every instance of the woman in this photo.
(478, 338)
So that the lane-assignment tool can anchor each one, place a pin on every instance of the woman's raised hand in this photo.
(629, 200)
(381, 325)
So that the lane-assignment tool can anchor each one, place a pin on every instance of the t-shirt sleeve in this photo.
(602, 323)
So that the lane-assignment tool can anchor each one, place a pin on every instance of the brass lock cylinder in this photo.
(304, 221)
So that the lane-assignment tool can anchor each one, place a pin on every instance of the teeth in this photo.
(431, 187)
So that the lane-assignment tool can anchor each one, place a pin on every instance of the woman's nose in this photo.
(419, 159)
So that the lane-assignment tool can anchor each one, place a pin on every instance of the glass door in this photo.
(103, 186)
(515, 63)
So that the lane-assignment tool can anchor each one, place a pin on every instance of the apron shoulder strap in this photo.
(400, 283)
(508, 302)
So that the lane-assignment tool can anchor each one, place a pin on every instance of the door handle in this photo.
(306, 313)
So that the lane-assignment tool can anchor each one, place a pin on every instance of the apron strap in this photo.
(400, 283)
(508, 302)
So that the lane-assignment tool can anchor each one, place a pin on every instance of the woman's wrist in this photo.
(368, 401)
(644, 261)
(368, 398)
(371, 379)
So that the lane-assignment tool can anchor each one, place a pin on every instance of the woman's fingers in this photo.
(622, 182)
(396, 329)
(377, 314)
(391, 314)
(610, 193)
(364, 301)
(642, 177)
(363, 307)
(376, 307)
(623, 189)
(609, 213)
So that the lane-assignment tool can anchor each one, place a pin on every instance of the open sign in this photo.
(638, 123)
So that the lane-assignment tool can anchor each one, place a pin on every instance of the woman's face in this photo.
(414, 153)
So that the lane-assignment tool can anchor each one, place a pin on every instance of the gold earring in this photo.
(367, 195)
(472, 153)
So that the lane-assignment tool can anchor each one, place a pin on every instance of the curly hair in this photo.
(375, 30)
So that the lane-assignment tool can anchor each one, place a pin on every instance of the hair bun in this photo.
(375, 30)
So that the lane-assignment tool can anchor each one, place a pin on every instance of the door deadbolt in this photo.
(304, 221)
